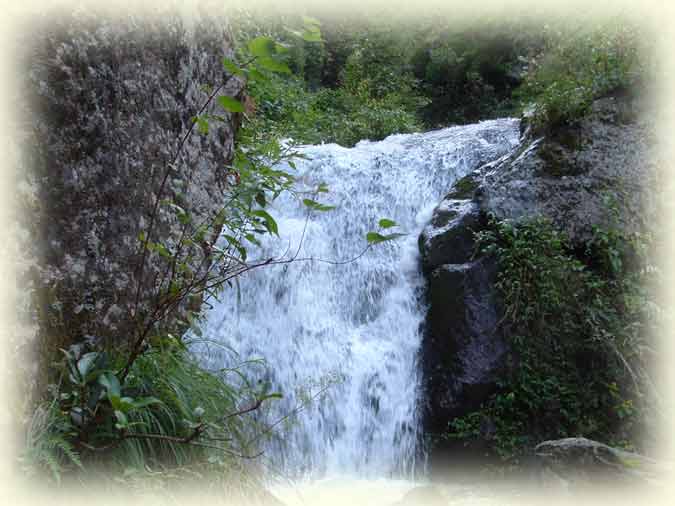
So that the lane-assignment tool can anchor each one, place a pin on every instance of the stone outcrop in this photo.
(461, 328)
(592, 174)
(573, 176)
(108, 103)
(577, 461)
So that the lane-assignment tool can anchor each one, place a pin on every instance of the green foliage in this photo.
(367, 80)
(168, 412)
(151, 406)
(574, 67)
(286, 108)
(370, 95)
(47, 447)
(574, 326)
(375, 237)
(470, 73)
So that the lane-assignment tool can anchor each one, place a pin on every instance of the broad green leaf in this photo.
(174, 288)
(261, 47)
(122, 420)
(252, 238)
(202, 124)
(256, 75)
(111, 384)
(161, 249)
(125, 404)
(232, 67)
(375, 238)
(311, 36)
(260, 199)
(323, 188)
(230, 104)
(200, 233)
(316, 206)
(385, 223)
(273, 65)
(85, 363)
(181, 213)
(115, 401)
(270, 224)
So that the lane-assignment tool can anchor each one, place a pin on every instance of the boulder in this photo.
(580, 461)
(463, 351)
(576, 174)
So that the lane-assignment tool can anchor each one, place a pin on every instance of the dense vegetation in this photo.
(153, 407)
(579, 324)
(369, 80)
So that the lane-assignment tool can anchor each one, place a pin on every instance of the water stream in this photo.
(351, 331)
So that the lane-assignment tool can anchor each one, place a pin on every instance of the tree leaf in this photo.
(230, 104)
(375, 238)
(122, 420)
(232, 67)
(281, 48)
(111, 384)
(311, 36)
(273, 65)
(385, 223)
(256, 75)
(273, 395)
(252, 238)
(316, 206)
(237, 245)
(202, 124)
(270, 224)
(86, 362)
(261, 47)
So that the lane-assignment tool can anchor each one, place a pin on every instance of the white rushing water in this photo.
(352, 330)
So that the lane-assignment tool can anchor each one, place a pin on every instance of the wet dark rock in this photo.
(462, 347)
(449, 236)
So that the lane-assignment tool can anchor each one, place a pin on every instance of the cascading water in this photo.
(350, 330)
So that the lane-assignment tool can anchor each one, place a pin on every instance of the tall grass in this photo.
(152, 451)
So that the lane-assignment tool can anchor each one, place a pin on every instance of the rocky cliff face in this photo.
(108, 103)
(573, 177)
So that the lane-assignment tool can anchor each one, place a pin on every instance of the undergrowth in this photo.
(165, 398)
(578, 324)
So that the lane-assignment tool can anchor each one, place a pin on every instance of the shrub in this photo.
(575, 325)
(573, 68)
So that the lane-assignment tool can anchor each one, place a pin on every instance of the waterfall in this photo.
(350, 331)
